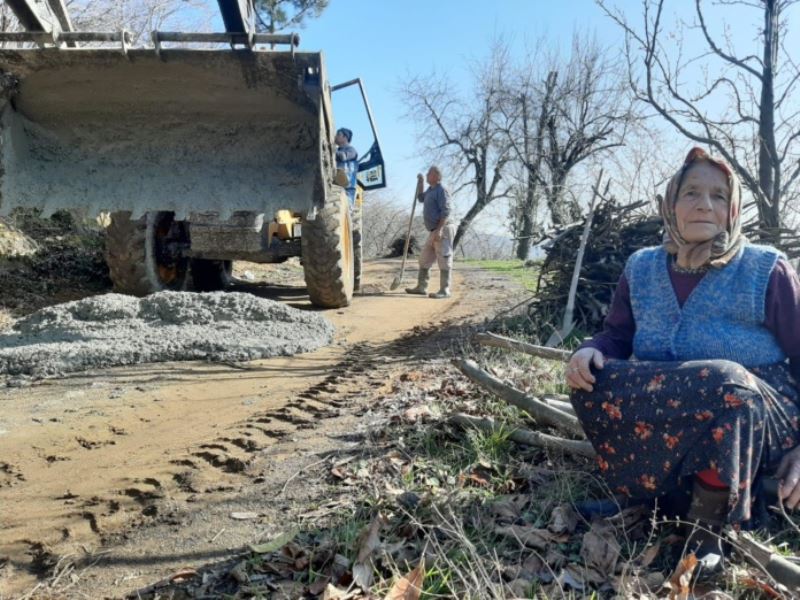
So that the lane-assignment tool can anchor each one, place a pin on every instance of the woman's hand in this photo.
(579, 375)
(789, 475)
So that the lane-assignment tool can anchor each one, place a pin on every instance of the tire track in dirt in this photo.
(207, 466)
(220, 464)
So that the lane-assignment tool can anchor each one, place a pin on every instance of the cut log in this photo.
(526, 437)
(499, 341)
(560, 405)
(772, 563)
(539, 410)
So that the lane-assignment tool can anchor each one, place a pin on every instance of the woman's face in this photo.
(702, 206)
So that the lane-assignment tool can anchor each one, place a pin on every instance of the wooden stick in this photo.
(533, 406)
(568, 324)
(526, 437)
(499, 341)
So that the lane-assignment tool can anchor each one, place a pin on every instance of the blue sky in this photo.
(385, 41)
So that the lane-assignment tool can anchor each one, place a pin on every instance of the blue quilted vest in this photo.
(723, 317)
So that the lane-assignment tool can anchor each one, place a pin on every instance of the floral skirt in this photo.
(653, 424)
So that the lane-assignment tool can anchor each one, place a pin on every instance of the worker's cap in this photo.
(346, 133)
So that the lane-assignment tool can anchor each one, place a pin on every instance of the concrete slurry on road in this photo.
(116, 330)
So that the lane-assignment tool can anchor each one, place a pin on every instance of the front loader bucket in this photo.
(187, 131)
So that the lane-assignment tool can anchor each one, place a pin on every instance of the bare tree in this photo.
(591, 115)
(139, 17)
(757, 130)
(466, 131)
(385, 220)
(564, 111)
(8, 22)
(530, 151)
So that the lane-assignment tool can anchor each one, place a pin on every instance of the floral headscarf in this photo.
(718, 251)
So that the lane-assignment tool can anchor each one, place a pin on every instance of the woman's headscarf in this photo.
(718, 251)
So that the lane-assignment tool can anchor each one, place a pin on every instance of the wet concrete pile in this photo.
(115, 330)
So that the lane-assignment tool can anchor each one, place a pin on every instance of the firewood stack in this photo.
(616, 232)
(785, 239)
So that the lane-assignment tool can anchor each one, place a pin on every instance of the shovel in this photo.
(399, 278)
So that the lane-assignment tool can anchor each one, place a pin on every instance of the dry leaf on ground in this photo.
(563, 519)
(509, 508)
(530, 536)
(275, 544)
(334, 593)
(649, 555)
(600, 550)
(410, 586)
(572, 576)
(369, 542)
(319, 586)
(678, 583)
(415, 413)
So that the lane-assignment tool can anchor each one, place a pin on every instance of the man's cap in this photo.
(346, 133)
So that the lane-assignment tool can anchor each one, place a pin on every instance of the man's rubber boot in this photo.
(444, 285)
(422, 283)
(709, 510)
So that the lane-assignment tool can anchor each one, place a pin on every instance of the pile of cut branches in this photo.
(616, 232)
(784, 239)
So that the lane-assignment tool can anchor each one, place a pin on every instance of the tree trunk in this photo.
(560, 212)
(768, 168)
(528, 221)
(529, 206)
(466, 221)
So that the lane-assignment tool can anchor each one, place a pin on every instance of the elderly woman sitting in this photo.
(712, 395)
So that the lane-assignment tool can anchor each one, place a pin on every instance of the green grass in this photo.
(514, 268)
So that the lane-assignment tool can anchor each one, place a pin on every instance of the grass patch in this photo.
(514, 268)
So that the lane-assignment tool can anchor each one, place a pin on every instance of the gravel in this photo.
(115, 330)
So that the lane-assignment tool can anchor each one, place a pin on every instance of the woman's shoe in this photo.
(709, 511)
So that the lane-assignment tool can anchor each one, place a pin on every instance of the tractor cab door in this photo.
(371, 171)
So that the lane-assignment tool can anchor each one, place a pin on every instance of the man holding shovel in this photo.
(439, 245)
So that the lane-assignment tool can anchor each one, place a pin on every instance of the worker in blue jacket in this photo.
(347, 159)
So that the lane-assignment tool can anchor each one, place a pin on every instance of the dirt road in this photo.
(132, 473)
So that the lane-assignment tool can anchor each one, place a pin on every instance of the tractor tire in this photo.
(132, 251)
(358, 252)
(211, 275)
(327, 253)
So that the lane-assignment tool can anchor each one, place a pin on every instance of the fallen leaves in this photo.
(563, 519)
(532, 537)
(678, 583)
(410, 586)
(417, 413)
(600, 552)
(370, 541)
(276, 544)
(650, 554)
